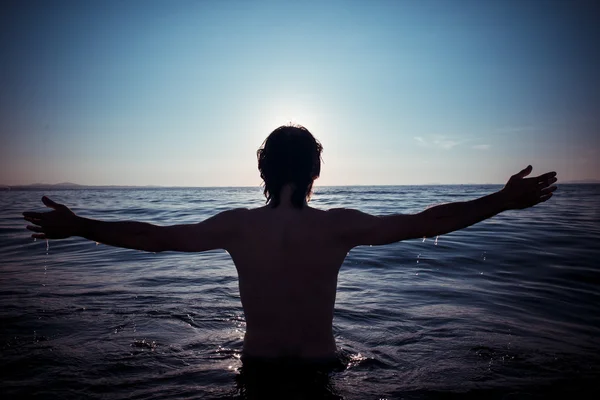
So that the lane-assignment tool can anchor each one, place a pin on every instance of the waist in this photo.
(277, 377)
(284, 364)
(272, 346)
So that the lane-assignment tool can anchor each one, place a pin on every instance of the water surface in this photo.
(508, 308)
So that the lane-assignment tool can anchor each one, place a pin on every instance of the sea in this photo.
(508, 308)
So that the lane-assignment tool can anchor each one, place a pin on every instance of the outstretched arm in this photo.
(213, 233)
(358, 228)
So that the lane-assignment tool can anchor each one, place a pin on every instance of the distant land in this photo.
(75, 186)
(69, 185)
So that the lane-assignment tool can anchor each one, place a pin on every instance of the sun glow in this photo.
(293, 115)
(286, 111)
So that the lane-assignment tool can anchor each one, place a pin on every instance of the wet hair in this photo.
(289, 155)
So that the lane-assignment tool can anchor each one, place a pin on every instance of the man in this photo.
(288, 254)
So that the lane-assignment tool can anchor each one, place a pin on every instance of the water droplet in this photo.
(436, 240)
(424, 239)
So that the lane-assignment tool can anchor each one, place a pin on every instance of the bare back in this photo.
(288, 261)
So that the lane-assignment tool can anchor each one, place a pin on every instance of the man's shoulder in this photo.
(243, 214)
(332, 212)
(233, 212)
(312, 213)
(344, 213)
(229, 217)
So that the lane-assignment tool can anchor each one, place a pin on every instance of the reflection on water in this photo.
(508, 308)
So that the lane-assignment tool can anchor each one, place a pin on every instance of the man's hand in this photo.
(60, 223)
(521, 192)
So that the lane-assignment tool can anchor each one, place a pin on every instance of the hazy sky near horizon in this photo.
(399, 92)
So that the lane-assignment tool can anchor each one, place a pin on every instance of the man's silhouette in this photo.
(288, 254)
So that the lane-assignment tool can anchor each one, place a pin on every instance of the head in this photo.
(289, 156)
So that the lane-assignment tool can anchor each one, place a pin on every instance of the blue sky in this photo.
(399, 92)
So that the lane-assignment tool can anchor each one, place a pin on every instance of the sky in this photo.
(182, 93)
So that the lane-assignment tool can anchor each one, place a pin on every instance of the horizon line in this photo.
(68, 185)
(78, 185)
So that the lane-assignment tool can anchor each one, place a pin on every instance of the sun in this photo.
(294, 112)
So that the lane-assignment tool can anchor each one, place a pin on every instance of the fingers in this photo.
(548, 190)
(36, 221)
(524, 172)
(34, 228)
(546, 193)
(49, 203)
(546, 177)
(32, 215)
(544, 184)
(34, 218)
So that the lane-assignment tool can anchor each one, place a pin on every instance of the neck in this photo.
(285, 196)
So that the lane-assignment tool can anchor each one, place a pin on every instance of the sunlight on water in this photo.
(356, 359)
(144, 344)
